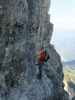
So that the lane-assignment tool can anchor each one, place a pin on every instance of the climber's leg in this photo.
(39, 76)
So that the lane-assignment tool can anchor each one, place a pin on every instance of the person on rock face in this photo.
(42, 58)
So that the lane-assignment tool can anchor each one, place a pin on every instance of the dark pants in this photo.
(40, 71)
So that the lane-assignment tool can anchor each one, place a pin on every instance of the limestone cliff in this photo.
(24, 28)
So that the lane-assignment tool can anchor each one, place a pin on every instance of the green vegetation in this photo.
(69, 74)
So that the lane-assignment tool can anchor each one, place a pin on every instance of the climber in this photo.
(42, 58)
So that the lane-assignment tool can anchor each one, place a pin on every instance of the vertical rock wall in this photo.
(24, 28)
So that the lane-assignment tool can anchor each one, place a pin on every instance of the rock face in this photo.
(24, 28)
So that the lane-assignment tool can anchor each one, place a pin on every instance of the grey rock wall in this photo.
(24, 28)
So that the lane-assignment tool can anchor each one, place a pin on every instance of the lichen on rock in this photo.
(25, 27)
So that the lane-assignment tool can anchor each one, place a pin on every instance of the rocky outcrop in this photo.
(24, 28)
(71, 89)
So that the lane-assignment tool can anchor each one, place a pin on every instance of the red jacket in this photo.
(41, 56)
